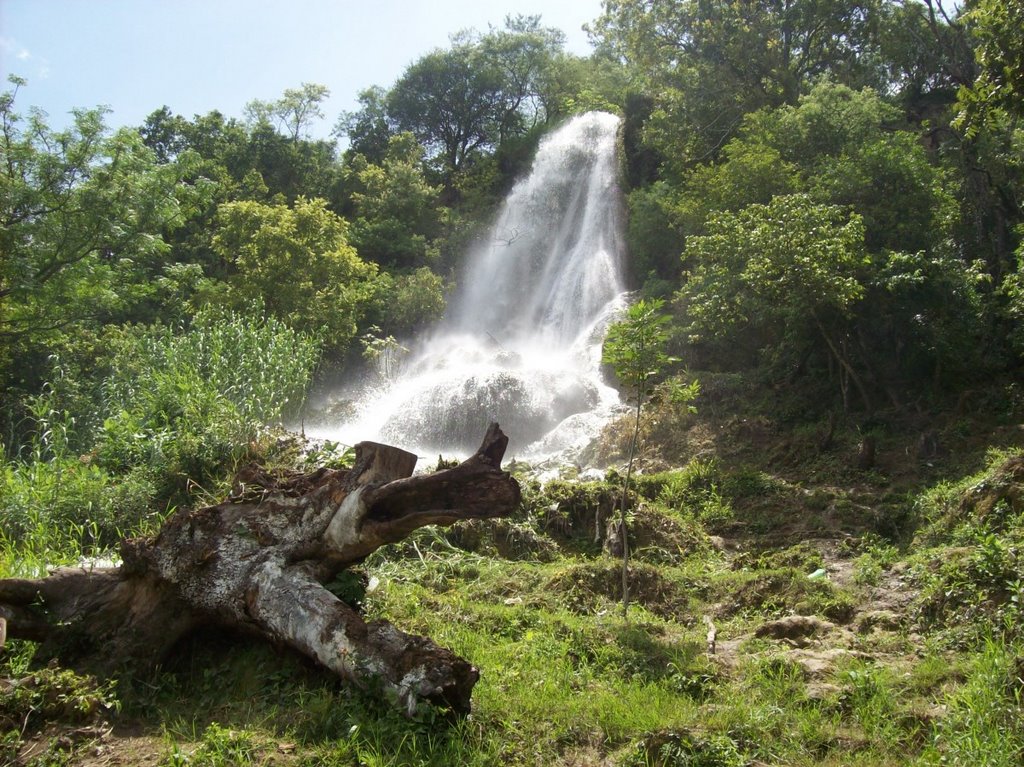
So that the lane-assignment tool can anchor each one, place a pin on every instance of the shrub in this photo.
(190, 404)
(179, 410)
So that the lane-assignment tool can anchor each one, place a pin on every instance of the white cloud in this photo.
(12, 50)
(10, 47)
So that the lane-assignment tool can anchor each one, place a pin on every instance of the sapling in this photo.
(635, 348)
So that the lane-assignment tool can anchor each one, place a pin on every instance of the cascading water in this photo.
(521, 344)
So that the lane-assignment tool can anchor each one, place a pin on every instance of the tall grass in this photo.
(180, 409)
(51, 503)
(984, 727)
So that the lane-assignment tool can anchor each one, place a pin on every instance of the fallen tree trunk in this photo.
(258, 563)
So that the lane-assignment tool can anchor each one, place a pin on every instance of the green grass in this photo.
(984, 725)
(563, 678)
(565, 681)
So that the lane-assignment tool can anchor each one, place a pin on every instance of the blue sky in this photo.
(194, 56)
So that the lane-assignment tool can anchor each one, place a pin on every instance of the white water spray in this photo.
(521, 344)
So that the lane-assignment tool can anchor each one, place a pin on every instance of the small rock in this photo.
(932, 713)
(820, 691)
(794, 627)
(886, 620)
(817, 665)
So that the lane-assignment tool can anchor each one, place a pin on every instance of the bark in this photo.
(257, 563)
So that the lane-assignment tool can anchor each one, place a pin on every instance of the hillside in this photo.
(860, 616)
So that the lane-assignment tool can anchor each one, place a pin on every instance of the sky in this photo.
(194, 56)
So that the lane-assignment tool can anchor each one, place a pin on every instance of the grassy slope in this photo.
(916, 656)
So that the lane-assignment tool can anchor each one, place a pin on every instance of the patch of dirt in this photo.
(595, 586)
(794, 627)
(893, 592)
(100, 745)
(657, 538)
(877, 617)
(123, 748)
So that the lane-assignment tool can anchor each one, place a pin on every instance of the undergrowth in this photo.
(531, 602)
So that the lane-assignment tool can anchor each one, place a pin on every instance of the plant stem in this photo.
(622, 512)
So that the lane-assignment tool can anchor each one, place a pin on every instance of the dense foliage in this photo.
(835, 191)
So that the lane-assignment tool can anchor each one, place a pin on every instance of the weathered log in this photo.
(258, 563)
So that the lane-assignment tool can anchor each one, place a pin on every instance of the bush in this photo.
(190, 404)
(179, 410)
(52, 500)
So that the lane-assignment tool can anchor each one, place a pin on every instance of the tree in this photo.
(82, 211)
(395, 210)
(635, 348)
(712, 62)
(464, 102)
(922, 55)
(891, 183)
(419, 299)
(297, 265)
(999, 30)
(450, 102)
(368, 129)
(79, 209)
(258, 563)
(781, 270)
(523, 54)
(291, 168)
(294, 112)
(848, 151)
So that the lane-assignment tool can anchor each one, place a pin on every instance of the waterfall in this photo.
(521, 342)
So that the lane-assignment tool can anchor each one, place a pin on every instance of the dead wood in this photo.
(258, 562)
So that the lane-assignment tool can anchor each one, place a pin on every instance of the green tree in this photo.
(1012, 291)
(410, 301)
(288, 167)
(837, 144)
(465, 101)
(81, 216)
(925, 54)
(295, 263)
(999, 29)
(293, 113)
(784, 270)
(395, 209)
(750, 172)
(712, 62)
(524, 55)
(369, 128)
(635, 348)
(901, 195)
(269, 156)
(450, 101)
(924, 316)
(80, 210)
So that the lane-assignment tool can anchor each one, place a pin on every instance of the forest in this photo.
(821, 474)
